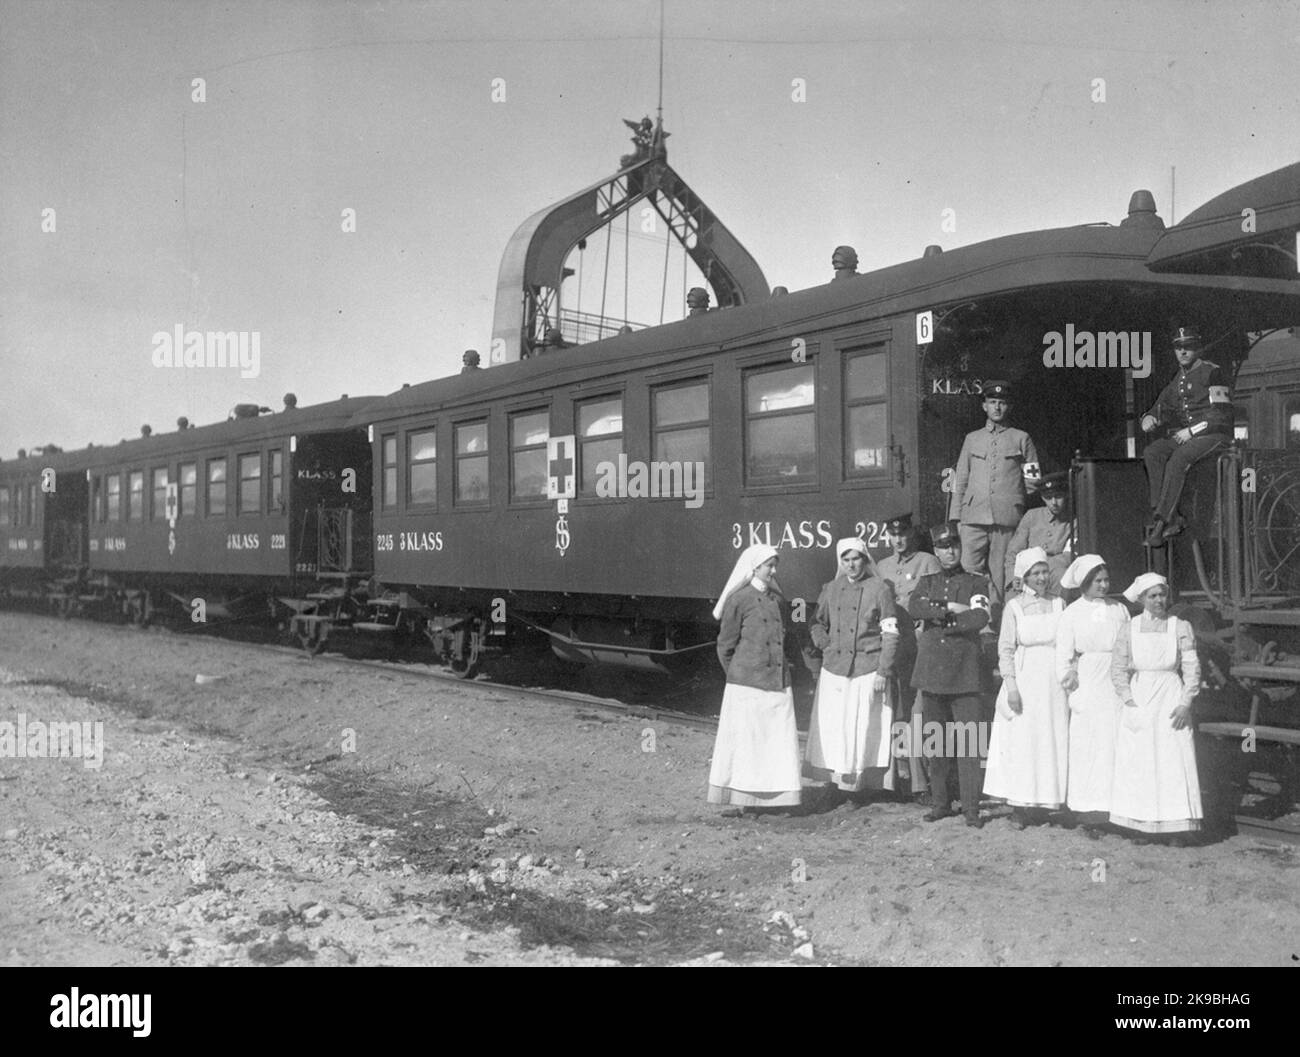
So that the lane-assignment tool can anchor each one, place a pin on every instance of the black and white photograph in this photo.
(662, 483)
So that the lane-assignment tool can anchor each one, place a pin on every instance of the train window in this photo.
(96, 498)
(113, 483)
(681, 425)
(600, 437)
(216, 501)
(472, 462)
(866, 413)
(529, 432)
(388, 496)
(135, 496)
(780, 426)
(422, 475)
(4, 506)
(189, 490)
(275, 497)
(160, 493)
(1291, 424)
(250, 483)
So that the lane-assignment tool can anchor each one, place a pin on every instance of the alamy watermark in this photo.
(637, 480)
(1129, 350)
(75, 1010)
(952, 739)
(211, 348)
(40, 740)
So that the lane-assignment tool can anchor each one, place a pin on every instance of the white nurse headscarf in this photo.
(853, 545)
(1079, 570)
(1143, 584)
(750, 559)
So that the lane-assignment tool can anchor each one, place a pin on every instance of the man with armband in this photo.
(1195, 411)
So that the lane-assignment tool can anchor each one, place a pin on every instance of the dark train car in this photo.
(42, 520)
(815, 415)
(1266, 395)
(255, 505)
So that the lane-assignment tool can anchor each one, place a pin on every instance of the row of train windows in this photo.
(122, 496)
(18, 505)
(780, 436)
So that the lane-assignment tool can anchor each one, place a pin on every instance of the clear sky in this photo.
(226, 214)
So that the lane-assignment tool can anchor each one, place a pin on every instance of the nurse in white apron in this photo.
(1085, 647)
(1157, 675)
(1029, 747)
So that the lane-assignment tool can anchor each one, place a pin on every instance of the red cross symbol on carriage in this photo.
(560, 481)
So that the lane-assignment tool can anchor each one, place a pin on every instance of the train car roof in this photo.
(317, 418)
(1088, 253)
(1239, 231)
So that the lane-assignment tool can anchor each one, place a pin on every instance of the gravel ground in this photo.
(287, 811)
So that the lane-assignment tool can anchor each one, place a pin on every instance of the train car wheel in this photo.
(139, 611)
(463, 668)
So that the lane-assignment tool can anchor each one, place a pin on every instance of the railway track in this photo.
(651, 713)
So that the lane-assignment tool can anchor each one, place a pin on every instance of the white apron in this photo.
(1094, 710)
(1029, 752)
(849, 735)
(756, 754)
(1156, 788)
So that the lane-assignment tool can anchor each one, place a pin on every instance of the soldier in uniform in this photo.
(954, 606)
(908, 563)
(1050, 526)
(997, 464)
(904, 569)
(1195, 411)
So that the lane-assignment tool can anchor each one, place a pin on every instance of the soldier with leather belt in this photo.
(954, 606)
(1195, 412)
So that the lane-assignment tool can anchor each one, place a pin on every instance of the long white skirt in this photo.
(1157, 789)
(1029, 753)
(1094, 719)
(849, 736)
(756, 754)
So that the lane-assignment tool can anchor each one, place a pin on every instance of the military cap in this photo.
(945, 532)
(1055, 484)
(998, 389)
(898, 524)
(1187, 336)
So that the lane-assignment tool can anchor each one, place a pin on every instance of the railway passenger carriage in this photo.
(259, 504)
(42, 520)
(815, 415)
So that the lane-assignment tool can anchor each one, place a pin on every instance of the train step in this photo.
(1266, 672)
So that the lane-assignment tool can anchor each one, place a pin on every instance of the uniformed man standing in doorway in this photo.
(997, 466)
(904, 569)
(954, 605)
(1050, 526)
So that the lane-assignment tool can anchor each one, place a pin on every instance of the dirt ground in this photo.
(288, 811)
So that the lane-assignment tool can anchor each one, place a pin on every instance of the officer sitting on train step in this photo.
(1195, 411)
